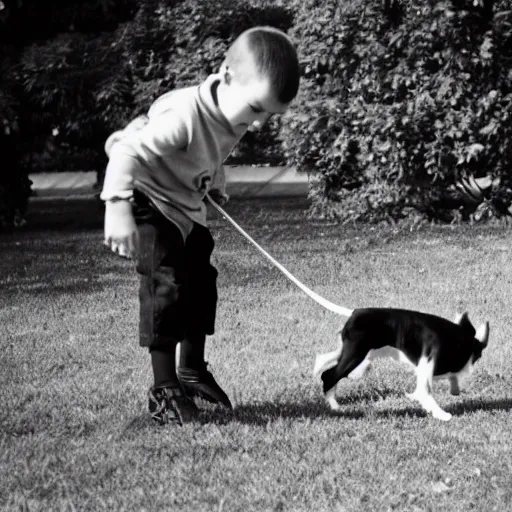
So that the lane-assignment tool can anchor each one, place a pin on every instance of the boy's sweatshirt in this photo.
(177, 155)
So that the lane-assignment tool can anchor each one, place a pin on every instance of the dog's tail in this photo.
(327, 304)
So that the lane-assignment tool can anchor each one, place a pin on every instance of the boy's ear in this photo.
(226, 73)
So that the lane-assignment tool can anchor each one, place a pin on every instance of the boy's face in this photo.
(248, 104)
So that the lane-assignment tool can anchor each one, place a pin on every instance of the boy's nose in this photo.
(258, 123)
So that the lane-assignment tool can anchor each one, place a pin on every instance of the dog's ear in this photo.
(461, 317)
(463, 321)
(482, 335)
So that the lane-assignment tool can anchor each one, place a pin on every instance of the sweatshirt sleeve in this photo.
(140, 149)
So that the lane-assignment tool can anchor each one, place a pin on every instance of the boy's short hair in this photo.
(275, 58)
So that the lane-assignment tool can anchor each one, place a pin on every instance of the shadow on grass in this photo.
(263, 413)
(47, 289)
(459, 409)
(354, 405)
(475, 405)
(256, 414)
(63, 214)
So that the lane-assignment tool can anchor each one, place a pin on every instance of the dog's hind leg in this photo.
(350, 358)
(423, 391)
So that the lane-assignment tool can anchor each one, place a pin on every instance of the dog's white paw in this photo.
(442, 415)
(331, 400)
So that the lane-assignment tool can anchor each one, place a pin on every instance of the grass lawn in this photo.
(74, 434)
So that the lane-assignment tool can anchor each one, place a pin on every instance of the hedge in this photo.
(399, 102)
(404, 106)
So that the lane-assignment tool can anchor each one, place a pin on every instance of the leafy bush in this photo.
(31, 20)
(69, 77)
(71, 83)
(57, 65)
(398, 101)
(78, 87)
(84, 70)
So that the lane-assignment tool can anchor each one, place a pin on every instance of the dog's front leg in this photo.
(423, 391)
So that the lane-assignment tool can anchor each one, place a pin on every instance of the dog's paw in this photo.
(331, 400)
(442, 415)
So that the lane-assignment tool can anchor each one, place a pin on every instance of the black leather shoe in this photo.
(171, 405)
(201, 383)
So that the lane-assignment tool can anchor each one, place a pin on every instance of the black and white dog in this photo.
(434, 346)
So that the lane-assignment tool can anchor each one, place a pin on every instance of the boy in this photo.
(160, 169)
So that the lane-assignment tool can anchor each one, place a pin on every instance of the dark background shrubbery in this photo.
(398, 100)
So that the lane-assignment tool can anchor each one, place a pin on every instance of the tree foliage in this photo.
(55, 60)
(14, 182)
(399, 101)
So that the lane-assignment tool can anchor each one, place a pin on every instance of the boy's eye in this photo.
(256, 110)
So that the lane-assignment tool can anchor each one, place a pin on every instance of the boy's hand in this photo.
(121, 233)
(218, 196)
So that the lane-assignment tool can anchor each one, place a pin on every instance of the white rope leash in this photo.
(340, 310)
